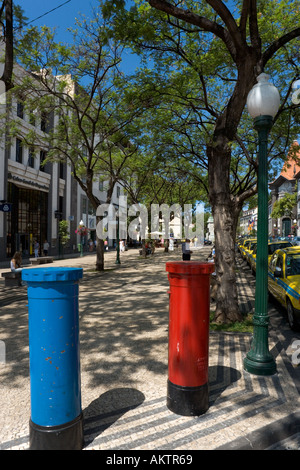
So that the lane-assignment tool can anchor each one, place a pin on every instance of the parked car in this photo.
(245, 245)
(249, 250)
(296, 241)
(284, 282)
(272, 247)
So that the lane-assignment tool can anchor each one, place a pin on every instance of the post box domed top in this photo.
(189, 267)
(51, 274)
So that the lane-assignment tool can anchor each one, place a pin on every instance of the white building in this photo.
(285, 183)
(248, 221)
(38, 196)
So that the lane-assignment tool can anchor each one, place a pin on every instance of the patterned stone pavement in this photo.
(124, 338)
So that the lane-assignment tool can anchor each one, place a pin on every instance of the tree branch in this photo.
(276, 45)
(229, 21)
(197, 20)
(253, 26)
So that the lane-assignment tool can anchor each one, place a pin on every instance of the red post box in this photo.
(188, 393)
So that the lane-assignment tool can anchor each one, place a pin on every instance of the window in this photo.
(61, 170)
(101, 186)
(279, 263)
(118, 191)
(273, 261)
(47, 122)
(20, 109)
(31, 157)
(28, 219)
(44, 122)
(19, 151)
(84, 205)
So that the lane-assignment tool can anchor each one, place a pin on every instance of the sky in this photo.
(61, 14)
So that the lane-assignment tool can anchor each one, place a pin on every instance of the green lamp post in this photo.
(118, 239)
(82, 232)
(263, 103)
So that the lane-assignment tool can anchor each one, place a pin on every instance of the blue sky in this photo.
(61, 18)
(61, 14)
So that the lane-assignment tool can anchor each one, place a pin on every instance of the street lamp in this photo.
(263, 103)
(118, 237)
(82, 231)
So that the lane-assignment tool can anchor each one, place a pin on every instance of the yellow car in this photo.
(245, 246)
(284, 282)
(249, 250)
(241, 243)
(272, 247)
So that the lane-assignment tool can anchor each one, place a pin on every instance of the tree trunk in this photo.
(9, 42)
(99, 251)
(144, 252)
(225, 212)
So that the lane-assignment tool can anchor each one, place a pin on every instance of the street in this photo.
(124, 347)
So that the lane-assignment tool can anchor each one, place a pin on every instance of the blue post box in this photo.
(56, 417)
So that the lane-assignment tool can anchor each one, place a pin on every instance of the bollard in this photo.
(187, 392)
(56, 417)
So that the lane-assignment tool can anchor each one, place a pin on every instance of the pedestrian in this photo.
(45, 248)
(91, 244)
(36, 248)
(16, 262)
(186, 252)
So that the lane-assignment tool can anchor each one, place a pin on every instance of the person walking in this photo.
(45, 248)
(186, 252)
(36, 248)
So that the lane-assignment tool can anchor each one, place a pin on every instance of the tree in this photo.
(96, 109)
(223, 49)
(9, 12)
(154, 182)
(63, 233)
(284, 206)
(6, 12)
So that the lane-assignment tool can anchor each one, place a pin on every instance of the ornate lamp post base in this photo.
(258, 360)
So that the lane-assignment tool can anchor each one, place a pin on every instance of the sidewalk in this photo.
(124, 338)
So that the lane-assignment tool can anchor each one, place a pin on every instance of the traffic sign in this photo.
(6, 207)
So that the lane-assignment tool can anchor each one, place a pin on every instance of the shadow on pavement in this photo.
(107, 409)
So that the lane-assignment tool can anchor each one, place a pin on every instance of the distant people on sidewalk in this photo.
(45, 248)
(36, 248)
(186, 252)
(16, 262)
(91, 245)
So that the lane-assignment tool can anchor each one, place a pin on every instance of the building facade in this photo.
(248, 221)
(286, 183)
(35, 196)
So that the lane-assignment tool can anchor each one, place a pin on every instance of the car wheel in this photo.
(291, 316)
